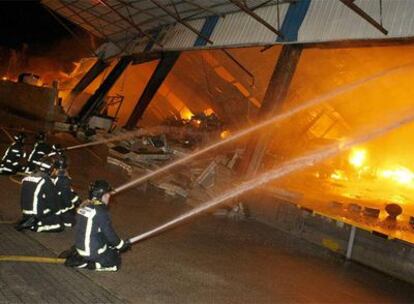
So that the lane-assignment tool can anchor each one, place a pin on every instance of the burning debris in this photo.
(197, 129)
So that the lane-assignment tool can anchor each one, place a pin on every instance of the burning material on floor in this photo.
(196, 129)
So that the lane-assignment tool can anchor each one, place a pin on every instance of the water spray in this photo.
(283, 170)
(7, 134)
(280, 117)
(127, 135)
(108, 140)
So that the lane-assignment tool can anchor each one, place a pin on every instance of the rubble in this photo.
(122, 165)
(195, 182)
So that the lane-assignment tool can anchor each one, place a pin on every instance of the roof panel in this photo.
(331, 20)
(324, 20)
(182, 37)
(241, 28)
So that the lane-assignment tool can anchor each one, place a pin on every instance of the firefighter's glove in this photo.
(126, 246)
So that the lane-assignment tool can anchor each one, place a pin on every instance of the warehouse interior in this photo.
(259, 144)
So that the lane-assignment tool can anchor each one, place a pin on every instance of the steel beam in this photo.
(364, 15)
(139, 11)
(86, 21)
(161, 72)
(255, 16)
(179, 20)
(275, 96)
(96, 101)
(131, 23)
(98, 67)
(66, 27)
(204, 8)
(201, 35)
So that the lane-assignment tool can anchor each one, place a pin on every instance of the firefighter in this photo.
(97, 246)
(39, 201)
(56, 150)
(40, 150)
(12, 160)
(68, 199)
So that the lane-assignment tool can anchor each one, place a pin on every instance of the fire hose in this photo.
(280, 171)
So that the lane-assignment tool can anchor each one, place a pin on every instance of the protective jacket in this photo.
(39, 200)
(68, 199)
(40, 150)
(12, 159)
(96, 240)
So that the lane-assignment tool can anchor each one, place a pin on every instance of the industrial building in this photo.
(273, 138)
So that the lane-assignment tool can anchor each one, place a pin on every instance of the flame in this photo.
(4, 78)
(186, 114)
(208, 111)
(399, 174)
(338, 175)
(225, 134)
(357, 157)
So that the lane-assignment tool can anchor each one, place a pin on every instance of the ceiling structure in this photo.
(134, 26)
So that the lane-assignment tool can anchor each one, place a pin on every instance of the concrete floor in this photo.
(212, 259)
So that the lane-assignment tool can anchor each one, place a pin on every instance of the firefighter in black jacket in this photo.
(40, 150)
(56, 150)
(12, 160)
(39, 201)
(68, 199)
(97, 246)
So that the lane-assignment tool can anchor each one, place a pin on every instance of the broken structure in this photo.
(177, 63)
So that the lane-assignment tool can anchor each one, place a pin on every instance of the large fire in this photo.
(373, 180)
(399, 175)
(358, 158)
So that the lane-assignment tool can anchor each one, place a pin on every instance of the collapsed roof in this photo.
(134, 26)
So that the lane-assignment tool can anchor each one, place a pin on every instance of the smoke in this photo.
(51, 62)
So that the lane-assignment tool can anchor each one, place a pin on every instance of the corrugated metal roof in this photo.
(240, 28)
(180, 36)
(122, 21)
(329, 20)
(144, 14)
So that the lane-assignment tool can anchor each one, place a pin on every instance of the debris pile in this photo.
(194, 182)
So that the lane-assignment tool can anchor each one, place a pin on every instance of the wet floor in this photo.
(213, 259)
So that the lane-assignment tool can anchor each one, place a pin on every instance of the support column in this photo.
(161, 72)
(95, 102)
(98, 67)
(272, 102)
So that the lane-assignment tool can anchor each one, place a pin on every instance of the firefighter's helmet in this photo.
(98, 189)
(20, 137)
(61, 163)
(41, 136)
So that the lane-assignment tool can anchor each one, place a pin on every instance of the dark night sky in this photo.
(31, 40)
(29, 22)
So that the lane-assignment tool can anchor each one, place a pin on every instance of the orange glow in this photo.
(208, 111)
(357, 157)
(374, 174)
(4, 78)
(225, 134)
(338, 175)
(186, 114)
(399, 175)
